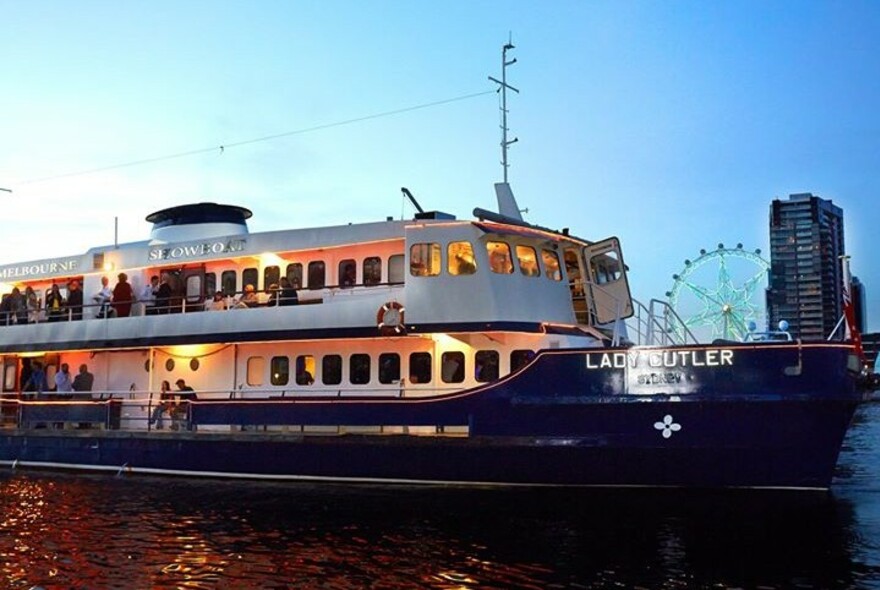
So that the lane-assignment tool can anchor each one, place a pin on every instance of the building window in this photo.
(486, 365)
(280, 370)
(520, 358)
(316, 274)
(420, 367)
(395, 269)
(305, 369)
(347, 274)
(452, 367)
(389, 367)
(528, 261)
(256, 368)
(551, 265)
(295, 274)
(271, 276)
(359, 369)
(331, 369)
(250, 276)
(424, 260)
(372, 270)
(499, 257)
(460, 259)
(228, 283)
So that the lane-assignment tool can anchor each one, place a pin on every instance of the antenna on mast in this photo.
(506, 201)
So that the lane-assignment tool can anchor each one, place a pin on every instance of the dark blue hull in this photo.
(564, 420)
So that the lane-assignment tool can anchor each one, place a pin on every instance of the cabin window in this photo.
(372, 270)
(499, 257)
(460, 259)
(420, 367)
(605, 268)
(359, 369)
(280, 370)
(317, 274)
(256, 368)
(396, 269)
(520, 358)
(228, 283)
(169, 365)
(452, 367)
(424, 260)
(331, 369)
(551, 265)
(295, 274)
(9, 371)
(572, 267)
(250, 276)
(389, 367)
(486, 365)
(305, 369)
(210, 284)
(194, 365)
(271, 276)
(193, 289)
(347, 273)
(528, 261)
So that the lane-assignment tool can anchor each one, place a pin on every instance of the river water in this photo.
(76, 531)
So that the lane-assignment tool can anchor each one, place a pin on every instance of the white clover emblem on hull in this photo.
(667, 426)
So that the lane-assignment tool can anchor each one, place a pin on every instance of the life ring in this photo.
(389, 319)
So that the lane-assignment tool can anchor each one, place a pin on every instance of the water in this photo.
(75, 531)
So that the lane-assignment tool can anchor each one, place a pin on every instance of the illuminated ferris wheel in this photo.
(717, 292)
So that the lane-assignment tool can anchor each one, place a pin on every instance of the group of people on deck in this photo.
(120, 301)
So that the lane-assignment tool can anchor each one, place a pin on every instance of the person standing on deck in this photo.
(163, 296)
(83, 380)
(63, 383)
(103, 298)
(37, 383)
(123, 297)
(55, 304)
(148, 296)
(75, 300)
(288, 293)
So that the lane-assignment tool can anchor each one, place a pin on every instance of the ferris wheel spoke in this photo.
(701, 293)
(751, 284)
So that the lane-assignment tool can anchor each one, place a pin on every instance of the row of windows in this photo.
(453, 368)
(425, 259)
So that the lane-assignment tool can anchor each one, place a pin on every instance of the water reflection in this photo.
(102, 532)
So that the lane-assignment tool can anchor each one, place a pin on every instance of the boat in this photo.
(431, 350)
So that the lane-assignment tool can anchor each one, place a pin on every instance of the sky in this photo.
(669, 124)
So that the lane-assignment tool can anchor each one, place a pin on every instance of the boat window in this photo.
(271, 276)
(420, 367)
(194, 288)
(228, 283)
(250, 276)
(305, 369)
(280, 370)
(210, 284)
(452, 370)
(331, 369)
(347, 273)
(486, 365)
(605, 268)
(9, 371)
(372, 270)
(256, 368)
(528, 261)
(424, 260)
(295, 274)
(499, 257)
(194, 364)
(460, 259)
(169, 365)
(395, 268)
(551, 265)
(520, 358)
(316, 274)
(572, 267)
(359, 369)
(389, 367)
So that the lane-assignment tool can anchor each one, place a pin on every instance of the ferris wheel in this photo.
(716, 293)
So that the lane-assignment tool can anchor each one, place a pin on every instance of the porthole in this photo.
(147, 365)
(169, 365)
(194, 364)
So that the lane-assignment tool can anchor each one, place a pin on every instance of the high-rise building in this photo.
(806, 243)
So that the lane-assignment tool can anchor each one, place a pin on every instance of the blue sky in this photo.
(669, 124)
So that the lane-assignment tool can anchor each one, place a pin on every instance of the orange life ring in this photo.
(389, 319)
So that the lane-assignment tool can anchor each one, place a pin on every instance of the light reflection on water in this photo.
(75, 531)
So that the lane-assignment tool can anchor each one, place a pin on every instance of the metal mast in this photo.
(502, 87)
